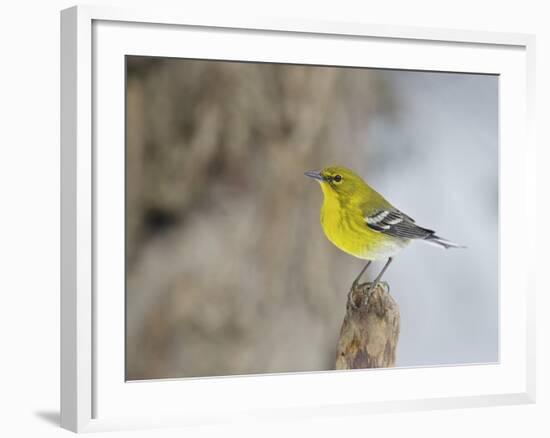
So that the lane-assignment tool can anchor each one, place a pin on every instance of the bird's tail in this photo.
(442, 243)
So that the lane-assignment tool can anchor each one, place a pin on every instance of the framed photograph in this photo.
(264, 218)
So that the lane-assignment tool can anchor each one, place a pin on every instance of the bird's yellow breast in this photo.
(345, 227)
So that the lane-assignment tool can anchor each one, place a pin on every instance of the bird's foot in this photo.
(355, 289)
(351, 297)
(360, 293)
(371, 287)
(357, 293)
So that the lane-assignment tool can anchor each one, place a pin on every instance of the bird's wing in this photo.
(396, 223)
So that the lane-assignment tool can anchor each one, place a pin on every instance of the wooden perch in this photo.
(370, 331)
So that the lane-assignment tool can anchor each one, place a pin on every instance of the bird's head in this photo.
(337, 181)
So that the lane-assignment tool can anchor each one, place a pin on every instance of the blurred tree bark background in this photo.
(228, 271)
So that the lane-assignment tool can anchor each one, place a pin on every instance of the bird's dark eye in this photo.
(337, 178)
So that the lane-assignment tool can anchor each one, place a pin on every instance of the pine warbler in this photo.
(360, 222)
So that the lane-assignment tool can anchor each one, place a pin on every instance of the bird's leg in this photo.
(356, 283)
(379, 276)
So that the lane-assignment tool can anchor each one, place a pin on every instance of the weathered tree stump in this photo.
(370, 331)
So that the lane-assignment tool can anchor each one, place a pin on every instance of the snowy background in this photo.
(438, 162)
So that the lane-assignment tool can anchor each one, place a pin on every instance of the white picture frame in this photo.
(94, 395)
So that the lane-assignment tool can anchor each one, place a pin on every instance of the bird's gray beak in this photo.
(315, 175)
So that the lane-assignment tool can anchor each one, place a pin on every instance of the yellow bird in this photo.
(360, 222)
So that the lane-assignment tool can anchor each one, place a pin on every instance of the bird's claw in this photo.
(351, 295)
(356, 287)
(368, 293)
(351, 300)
